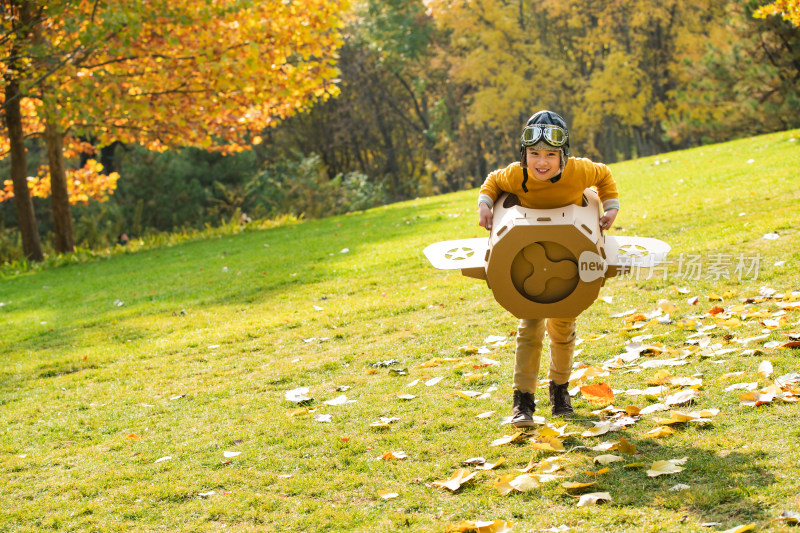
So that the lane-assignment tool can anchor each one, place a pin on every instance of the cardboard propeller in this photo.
(542, 263)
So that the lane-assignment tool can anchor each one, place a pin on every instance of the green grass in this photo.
(187, 351)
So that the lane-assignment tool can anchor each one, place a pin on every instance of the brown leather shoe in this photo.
(522, 410)
(560, 400)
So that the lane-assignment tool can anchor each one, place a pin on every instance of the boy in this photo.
(557, 180)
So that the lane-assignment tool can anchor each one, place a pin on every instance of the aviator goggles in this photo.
(552, 135)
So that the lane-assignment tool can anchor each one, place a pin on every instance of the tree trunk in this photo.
(26, 218)
(62, 217)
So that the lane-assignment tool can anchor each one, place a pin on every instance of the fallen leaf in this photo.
(682, 397)
(430, 363)
(574, 485)
(594, 498)
(162, 459)
(666, 306)
(598, 394)
(491, 466)
(550, 444)
(467, 526)
(387, 495)
(660, 468)
(509, 483)
(755, 398)
(600, 428)
(433, 381)
(339, 400)
(231, 454)
(679, 486)
(607, 459)
(740, 529)
(487, 414)
(298, 395)
(319, 417)
(789, 517)
(459, 477)
(388, 456)
(661, 431)
(746, 386)
(507, 439)
(626, 447)
(406, 396)
(605, 446)
(384, 422)
(765, 369)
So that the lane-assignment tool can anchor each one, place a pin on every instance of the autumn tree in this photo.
(168, 74)
(787, 9)
(745, 81)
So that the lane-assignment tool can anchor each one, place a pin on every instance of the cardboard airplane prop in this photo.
(542, 263)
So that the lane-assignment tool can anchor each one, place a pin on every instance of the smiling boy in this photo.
(545, 178)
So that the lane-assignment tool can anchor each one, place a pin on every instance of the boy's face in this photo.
(543, 164)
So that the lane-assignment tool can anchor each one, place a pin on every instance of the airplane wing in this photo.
(458, 254)
(644, 252)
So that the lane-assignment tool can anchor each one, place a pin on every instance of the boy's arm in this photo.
(490, 191)
(600, 177)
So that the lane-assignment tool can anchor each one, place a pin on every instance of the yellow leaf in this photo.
(459, 477)
(600, 428)
(387, 495)
(490, 466)
(467, 526)
(634, 465)
(676, 417)
(550, 465)
(660, 468)
(626, 447)
(507, 439)
(550, 444)
(573, 485)
(633, 410)
(607, 459)
(509, 483)
(661, 431)
(430, 363)
(765, 369)
(740, 529)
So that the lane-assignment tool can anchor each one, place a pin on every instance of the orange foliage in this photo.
(788, 9)
(207, 74)
(82, 184)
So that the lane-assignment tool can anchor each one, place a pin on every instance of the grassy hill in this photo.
(148, 391)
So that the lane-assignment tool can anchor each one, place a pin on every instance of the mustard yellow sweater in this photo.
(578, 174)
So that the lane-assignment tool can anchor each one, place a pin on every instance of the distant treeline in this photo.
(434, 94)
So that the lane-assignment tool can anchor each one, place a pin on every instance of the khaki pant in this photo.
(529, 351)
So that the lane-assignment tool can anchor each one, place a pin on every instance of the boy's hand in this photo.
(608, 219)
(484, 216)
